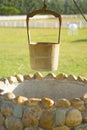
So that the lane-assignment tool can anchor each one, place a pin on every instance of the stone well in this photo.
(34, 102)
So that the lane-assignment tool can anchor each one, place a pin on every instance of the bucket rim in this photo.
(45, 43)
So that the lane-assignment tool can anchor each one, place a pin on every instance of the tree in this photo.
(5, 10)
(60, 6)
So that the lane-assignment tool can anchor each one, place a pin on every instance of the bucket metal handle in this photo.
(43, 11)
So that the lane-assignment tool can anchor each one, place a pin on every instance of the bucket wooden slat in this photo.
(44, 55)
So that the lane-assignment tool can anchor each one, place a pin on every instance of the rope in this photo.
(45, 5)
(80, 10)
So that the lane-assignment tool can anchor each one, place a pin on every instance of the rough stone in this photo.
(8, 96)
(2, 119)
(33, 102)
(80, 78)
(28, 76)
(18, 111)
(62, 103)
(1, 102)
(61, 76)
(72, 77)
(47, 120)
(85, 80)
(38, 75)
(29, 119)
(20, 77)
(37, 111)
(47, 103)
(13, 123)
(61, 128)
(7, 108)
(60, 117)
(81, 108)
(20, 100)
(12, 79)
(50, 75)
(2, 128)
(85, 98)
(81, 127)
(84, 116)
(31, 128)
(73, 117)
(76, 102)
(6, 81)
(39, 128)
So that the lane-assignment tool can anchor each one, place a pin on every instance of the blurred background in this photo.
(14, 53)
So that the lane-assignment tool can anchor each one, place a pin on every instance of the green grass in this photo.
(14, 55)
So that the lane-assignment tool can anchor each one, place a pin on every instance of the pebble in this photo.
(80, 78)
(47, 103)
(38, 75)
(62, 103)
(2, 119)
(7, 108)
(12, 79)
(13, 123)
(61, 76)
(2, 128)
(81, 127)
(20, 100)
(73, 117)
(47, 120)
(33, 102)
(18, 111)
(84, 116)
(76, 102)
(84, 97)
(50, 76)
(72, 77)
(61, 128)
(28, 76)
(20, 77)
(8, 96)
(60, 117)
(31, 128)
(29, 119)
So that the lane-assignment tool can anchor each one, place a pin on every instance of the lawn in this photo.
(14, 54)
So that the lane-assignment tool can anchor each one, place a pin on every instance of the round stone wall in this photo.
(34, 102)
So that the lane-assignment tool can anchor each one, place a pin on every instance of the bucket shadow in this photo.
(80, 40)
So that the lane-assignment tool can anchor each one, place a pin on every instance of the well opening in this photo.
(47, 87)
(61, 86)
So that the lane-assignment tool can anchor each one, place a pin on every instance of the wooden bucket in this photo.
(43, 55)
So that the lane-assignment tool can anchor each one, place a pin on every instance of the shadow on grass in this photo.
(80, 40)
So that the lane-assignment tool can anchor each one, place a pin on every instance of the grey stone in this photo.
(2, 128)
(7, 108)
(84, 116)
(1, 102)
(13, 123)
(2, 119)
(60, 116)
(81, 127)
(31, 128)
(18, 110)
